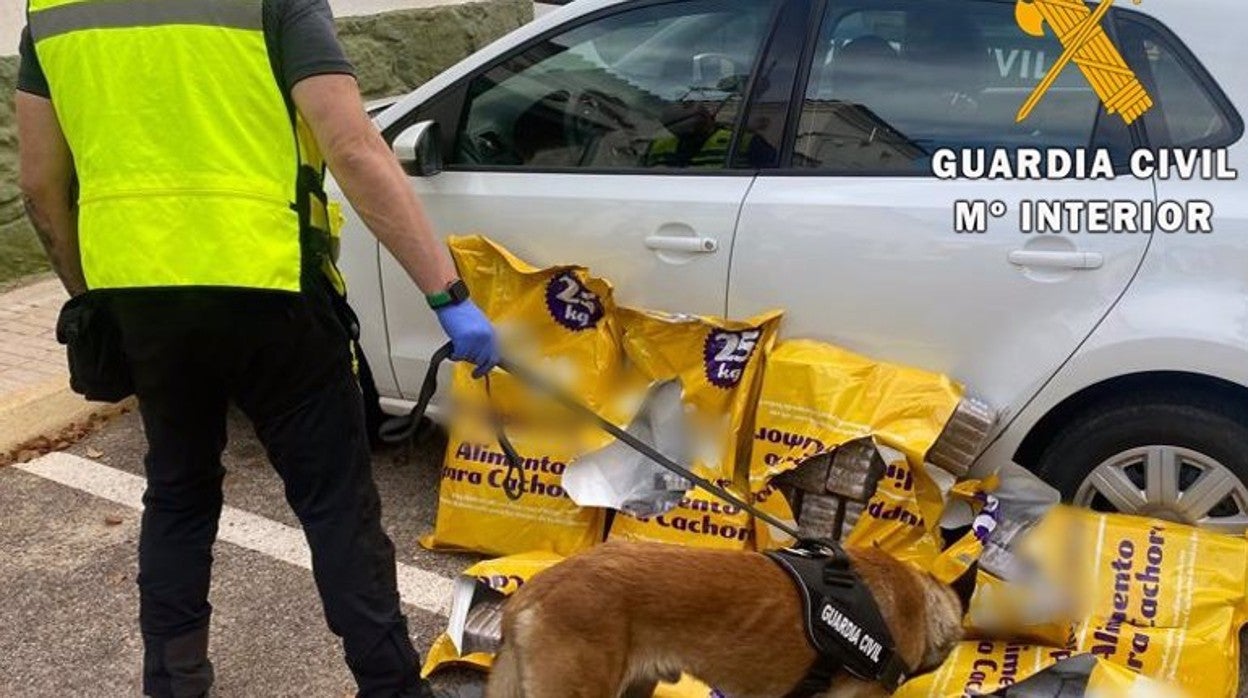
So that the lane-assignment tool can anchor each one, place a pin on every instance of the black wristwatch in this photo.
(456, 292)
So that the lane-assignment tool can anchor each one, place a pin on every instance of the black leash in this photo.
(535, 381)
(400, 429)
(513, 480)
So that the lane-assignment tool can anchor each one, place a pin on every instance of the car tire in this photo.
(1116, 456)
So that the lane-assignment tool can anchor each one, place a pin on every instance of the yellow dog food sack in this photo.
(485, 582)
(981, 668)
(902, 516)
(1001, 609)
(816, 397)
(1162, 599)
(557, 321)
(1109, 680)
(687, 687)
(954, 561)
(475, 512)
(1157, 599)
(718, 364)
(560, 322)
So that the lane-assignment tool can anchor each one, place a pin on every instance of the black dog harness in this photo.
(843, 620)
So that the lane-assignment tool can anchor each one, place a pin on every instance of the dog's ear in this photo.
(964, 586)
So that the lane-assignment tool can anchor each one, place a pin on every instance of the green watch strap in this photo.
(455, 292)
(439, 300)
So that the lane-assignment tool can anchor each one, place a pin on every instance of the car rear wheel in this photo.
(1182, 459)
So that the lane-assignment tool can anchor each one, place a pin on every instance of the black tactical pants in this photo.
(284, 360)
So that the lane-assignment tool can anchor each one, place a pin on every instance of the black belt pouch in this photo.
(97, 364)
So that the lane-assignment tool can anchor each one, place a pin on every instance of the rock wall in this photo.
(393, 53)
(20, 253)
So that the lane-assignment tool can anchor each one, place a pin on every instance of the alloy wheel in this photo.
(1171, 483)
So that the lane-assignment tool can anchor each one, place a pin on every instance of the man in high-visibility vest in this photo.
(170, 163)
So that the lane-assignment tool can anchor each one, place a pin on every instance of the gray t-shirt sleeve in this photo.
(30, 77)
(306, 41)
(300, 32)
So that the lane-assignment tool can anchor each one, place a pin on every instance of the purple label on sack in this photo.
(726, 355)
(571, 304)
(986, 522)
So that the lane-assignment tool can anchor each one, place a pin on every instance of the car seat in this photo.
(948, 66)
(855, 94)
(864, 70)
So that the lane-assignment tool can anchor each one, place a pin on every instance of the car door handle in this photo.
(681, 243)
(1056, 260)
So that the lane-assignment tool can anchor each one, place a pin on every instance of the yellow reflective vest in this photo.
(665, 152)
(186, 150)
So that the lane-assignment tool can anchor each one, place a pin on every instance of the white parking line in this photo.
(425, 590)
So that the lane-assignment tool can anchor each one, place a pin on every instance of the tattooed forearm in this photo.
(47, 179)
(62, 250)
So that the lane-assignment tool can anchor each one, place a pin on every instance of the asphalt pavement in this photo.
(68, 602)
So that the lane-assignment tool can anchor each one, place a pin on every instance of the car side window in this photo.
(654, 87)
(892, 81)
(1190, 111)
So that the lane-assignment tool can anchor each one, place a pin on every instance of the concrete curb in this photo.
(35, 418)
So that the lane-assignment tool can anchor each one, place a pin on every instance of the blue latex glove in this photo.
(472, 336)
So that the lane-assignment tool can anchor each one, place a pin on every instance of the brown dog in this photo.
(615, 620)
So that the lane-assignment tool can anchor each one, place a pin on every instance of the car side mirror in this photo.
(419, 149)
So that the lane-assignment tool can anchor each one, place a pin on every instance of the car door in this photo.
(855, 237)
(604, 142)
